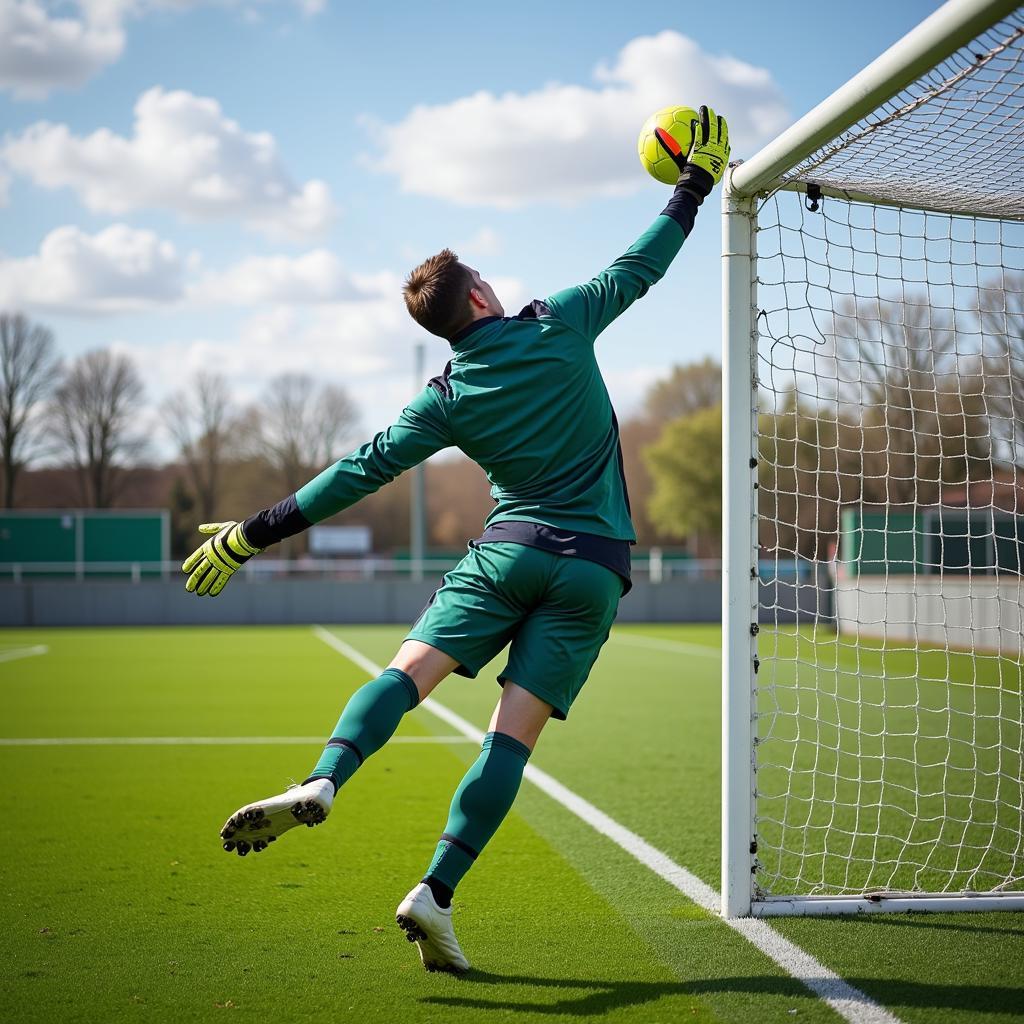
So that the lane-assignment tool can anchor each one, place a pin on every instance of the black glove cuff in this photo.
(697, 180)
(273, 524)
(682, 207)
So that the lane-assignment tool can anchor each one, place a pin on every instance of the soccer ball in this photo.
(669, 127)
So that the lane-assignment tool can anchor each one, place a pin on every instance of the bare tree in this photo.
(94, 415)
(202, 421)
(338, 417)
(915, 407)
(300, 427)
(912, 379)
(808, 469)
(1000, 312)
(28, 371)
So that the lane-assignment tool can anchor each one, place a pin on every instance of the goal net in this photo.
(878, 617)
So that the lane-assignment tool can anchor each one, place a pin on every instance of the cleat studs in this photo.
(413, 932)
(271, 839)
(229, 847)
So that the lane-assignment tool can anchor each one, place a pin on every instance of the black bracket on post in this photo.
(813, 200)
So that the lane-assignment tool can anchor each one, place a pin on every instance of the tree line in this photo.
(78, 433)
(898, 403)
(89, 417)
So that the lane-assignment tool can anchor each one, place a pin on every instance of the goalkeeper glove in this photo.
(212, 565)
(708, 158)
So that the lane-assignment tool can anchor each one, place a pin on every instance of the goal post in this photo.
(873, 468)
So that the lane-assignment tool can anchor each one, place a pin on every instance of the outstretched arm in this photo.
(420, 431)
(589, 308)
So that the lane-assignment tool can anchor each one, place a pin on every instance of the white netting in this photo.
(888, 717)
(952, 141)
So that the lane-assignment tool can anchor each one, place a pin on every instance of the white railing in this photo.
(656, 568)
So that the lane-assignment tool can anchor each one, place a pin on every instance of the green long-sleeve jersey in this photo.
(524, 398)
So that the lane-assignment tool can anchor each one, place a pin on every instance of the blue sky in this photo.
(242, 185)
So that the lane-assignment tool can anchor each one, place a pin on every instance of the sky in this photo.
(240, 186)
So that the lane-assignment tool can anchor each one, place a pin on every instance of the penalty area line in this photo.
(658, 644)
(849, 1002)
(13, 653)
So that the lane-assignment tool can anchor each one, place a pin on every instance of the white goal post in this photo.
(873, 467)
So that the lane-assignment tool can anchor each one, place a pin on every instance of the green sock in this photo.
(369, 720)
(479, 806)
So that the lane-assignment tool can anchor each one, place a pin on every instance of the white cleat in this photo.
(430, 927)
(255, 826)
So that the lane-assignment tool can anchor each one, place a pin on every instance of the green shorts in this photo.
(554, 609)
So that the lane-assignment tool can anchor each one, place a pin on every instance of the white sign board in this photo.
(340, 540)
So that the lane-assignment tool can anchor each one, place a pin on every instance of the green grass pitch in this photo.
(119, 904)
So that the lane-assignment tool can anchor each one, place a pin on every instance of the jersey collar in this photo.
(456, 339)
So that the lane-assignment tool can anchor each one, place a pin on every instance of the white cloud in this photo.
(40, 51)
(511, 293)
(628, 386)
(117, 270)
(486, 242)
(570, 142)
(49, 44)
(315, 277)
(365, 345)
(184, 155)
(122, 269)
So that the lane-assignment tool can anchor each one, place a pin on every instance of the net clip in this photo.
(813, 199)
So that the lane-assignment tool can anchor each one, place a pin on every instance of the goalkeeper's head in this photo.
(443, 295)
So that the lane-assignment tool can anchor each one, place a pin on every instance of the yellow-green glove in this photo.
(709, 154)
(212, 565)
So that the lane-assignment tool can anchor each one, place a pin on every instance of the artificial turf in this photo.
(120, 904)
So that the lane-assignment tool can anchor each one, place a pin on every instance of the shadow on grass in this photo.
(592, 997)
(927, 922)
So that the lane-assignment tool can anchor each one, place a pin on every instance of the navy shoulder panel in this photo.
(534, 310)
(441, 384)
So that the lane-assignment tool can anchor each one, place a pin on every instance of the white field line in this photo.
(194, 741)
(633, 640)
(13, 653)
(849, 1002)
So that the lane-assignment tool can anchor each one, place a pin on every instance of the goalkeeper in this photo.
(523, 397)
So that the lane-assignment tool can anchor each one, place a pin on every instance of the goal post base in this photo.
(810, 906)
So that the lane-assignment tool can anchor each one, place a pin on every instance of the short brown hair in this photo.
(437, 294)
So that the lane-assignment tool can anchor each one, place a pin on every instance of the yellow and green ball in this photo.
(672, 124)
